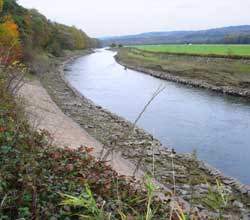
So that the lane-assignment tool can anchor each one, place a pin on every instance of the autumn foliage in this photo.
(1, 5)
(10, 46)
(27, 33)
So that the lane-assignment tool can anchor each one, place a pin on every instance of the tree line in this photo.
(24, 31)
(237, 39)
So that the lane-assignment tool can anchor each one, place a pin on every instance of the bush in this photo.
(37, 61)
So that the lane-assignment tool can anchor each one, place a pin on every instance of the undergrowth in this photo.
(34, 175)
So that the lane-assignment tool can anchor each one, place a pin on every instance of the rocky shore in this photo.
(230, 90)
(192, 177)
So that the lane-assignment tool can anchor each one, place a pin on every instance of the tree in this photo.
(241, 38)
(36, 34)
(10, 47)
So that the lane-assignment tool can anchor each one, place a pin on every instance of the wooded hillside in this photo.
(24, 31)
(225, 35)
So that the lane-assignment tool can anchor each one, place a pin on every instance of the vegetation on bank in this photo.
(218, 72)
(38, 180)
(200, 49)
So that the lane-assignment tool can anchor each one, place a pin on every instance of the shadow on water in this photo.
(216, 126)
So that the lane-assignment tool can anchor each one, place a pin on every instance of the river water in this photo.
(215, 126)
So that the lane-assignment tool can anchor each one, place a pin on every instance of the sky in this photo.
(100, 18)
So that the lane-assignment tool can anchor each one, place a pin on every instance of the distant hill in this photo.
(233, 34)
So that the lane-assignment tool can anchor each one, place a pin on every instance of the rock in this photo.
(204, 186)
(149, 153)
(238, 204)
(246, 216)
(187, 197)
(78, 104)
(227, 217)
(211, 215)
(228, 181)
(186, 187)
(195, 213)
(183, 192)
(200, 207)
(88, 126)
(248, 193)
(243, 189)
(183, 204)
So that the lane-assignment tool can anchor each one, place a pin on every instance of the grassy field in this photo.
(215, 71)
(200, 49)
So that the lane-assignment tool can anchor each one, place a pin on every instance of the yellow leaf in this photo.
(1, 5)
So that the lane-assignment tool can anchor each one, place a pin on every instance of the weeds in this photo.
(86, 200)
(150, 187)
(177, 212)
(217, 199)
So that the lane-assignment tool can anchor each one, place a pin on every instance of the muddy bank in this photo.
(163, 74)
(139, 146)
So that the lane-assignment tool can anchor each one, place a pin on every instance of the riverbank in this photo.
(228, 76)
(190, 175)
(41, 171)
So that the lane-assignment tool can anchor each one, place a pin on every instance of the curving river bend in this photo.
(216, 126)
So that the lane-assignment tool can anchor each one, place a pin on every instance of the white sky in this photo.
(119, 17)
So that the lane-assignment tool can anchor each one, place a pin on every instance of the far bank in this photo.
(224, 75)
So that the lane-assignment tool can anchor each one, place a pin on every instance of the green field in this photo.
(200, 49)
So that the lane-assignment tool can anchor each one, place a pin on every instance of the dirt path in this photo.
(43, 113)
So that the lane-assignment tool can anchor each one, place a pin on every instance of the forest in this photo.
(25, 33)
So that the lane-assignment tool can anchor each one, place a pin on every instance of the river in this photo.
(215, 126)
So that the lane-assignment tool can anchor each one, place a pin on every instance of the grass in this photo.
(215, 71)
(87, 201)
(200, 49)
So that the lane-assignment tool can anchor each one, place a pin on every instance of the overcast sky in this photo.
(119, 17)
